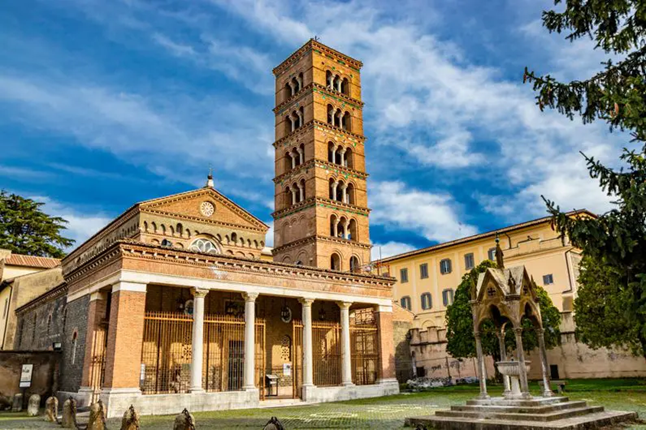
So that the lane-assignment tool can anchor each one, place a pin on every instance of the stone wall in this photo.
(74, 343)
(45, 373)
(402, 323)
(41, 325)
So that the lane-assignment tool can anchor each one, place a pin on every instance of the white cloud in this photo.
(389, 249)
(269, 238)
(433, 216)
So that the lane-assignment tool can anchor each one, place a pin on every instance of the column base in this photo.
(483, 396)
(196, 390)
(250, 388)
(347, 384)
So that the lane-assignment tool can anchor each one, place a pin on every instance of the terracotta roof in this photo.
(482, 235)
(31, 261)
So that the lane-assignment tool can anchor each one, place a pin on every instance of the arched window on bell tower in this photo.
(335, 262)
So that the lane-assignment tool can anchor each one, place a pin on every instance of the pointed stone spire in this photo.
(499, 254)
(209, 179)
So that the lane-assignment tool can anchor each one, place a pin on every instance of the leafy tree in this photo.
(459, 322)
(26, 229)
(614, 244)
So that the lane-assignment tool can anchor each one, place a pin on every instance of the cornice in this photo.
(245, 265)
(323, 164)
(202, 220)
(134, 249)
(319, 125)
(321, 202)
(316, 238)
(53, 294)
(355, 103)
(318, 47)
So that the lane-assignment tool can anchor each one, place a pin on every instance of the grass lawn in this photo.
(380, 413)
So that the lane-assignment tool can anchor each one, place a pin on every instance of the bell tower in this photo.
(321, 206)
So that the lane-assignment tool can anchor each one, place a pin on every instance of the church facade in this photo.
(174, 305)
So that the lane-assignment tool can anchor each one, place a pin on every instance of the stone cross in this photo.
(34, 405)
(69, 414)
(130, 419)
(184, 421)
(51, 409)
(97, 417)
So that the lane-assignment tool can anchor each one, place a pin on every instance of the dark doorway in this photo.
(554, 371)
(236, 363)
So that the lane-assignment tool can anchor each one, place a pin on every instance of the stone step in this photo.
(510, 416)
(521, 409)
(590, 421)
(536, 401)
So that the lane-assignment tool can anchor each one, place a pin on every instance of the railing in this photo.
(364, 343)
(326, 344)
(167, 353)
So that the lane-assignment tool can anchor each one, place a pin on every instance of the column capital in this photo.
(518, 330)
(305, 302)
(540, 331)
(199, 292)
(344, 305)
(250, 296)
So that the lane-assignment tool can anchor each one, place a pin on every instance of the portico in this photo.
(183, 336)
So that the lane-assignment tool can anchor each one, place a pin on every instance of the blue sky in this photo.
(106, 103)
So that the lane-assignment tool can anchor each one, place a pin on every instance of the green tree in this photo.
(614, 244)
(26, 229)
(459, 322)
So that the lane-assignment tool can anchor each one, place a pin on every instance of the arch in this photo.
(346, 121)
(154, 226)
(345, 86)
(288, 124)
(352, 230)
(349, 194)
(251, 256)
(303, 195)
(179, 245)
(74, 345)
(288, 197)
(255, 244)
(335, 262)
(301, 153)
(240, 254)
(163, 229)
(333, 188)
(146, 226)
(287, 259)
(171, 230)
(355, 266)
(343, 227)
(229, 252)
(330, 114)
(349, 158)
(329, 80)
(249, 243)
(288, 161)
(205, 246)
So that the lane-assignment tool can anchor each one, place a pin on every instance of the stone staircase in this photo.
(536, 413)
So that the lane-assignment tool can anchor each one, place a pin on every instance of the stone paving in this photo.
(380, 413)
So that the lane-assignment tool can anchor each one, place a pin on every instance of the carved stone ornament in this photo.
(207, 209)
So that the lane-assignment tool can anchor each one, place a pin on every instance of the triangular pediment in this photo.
(204, 204)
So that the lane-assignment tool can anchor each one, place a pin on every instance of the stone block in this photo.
(34, 405)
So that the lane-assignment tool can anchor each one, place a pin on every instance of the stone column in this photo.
(197, 354)
(345, 229)
(301, 156)
(524, 386)
(547, 390)
(125, 339)
(342, 152)
(334, 155)
(503, 357)
(346, 352)
(335, 230)
(291, 87)
(249, 341)
(344, 194)
(301, 192)
(334, 185)
(482, 369)
(308, 361)
(294, 198)
(293, 158)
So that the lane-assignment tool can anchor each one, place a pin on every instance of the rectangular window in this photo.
(469, 262)
(403, 275)
(492, 254)
(445, 266)
(548, 279)
(423, 271)
(447, 297)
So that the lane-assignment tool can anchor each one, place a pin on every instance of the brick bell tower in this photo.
(321, 216)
